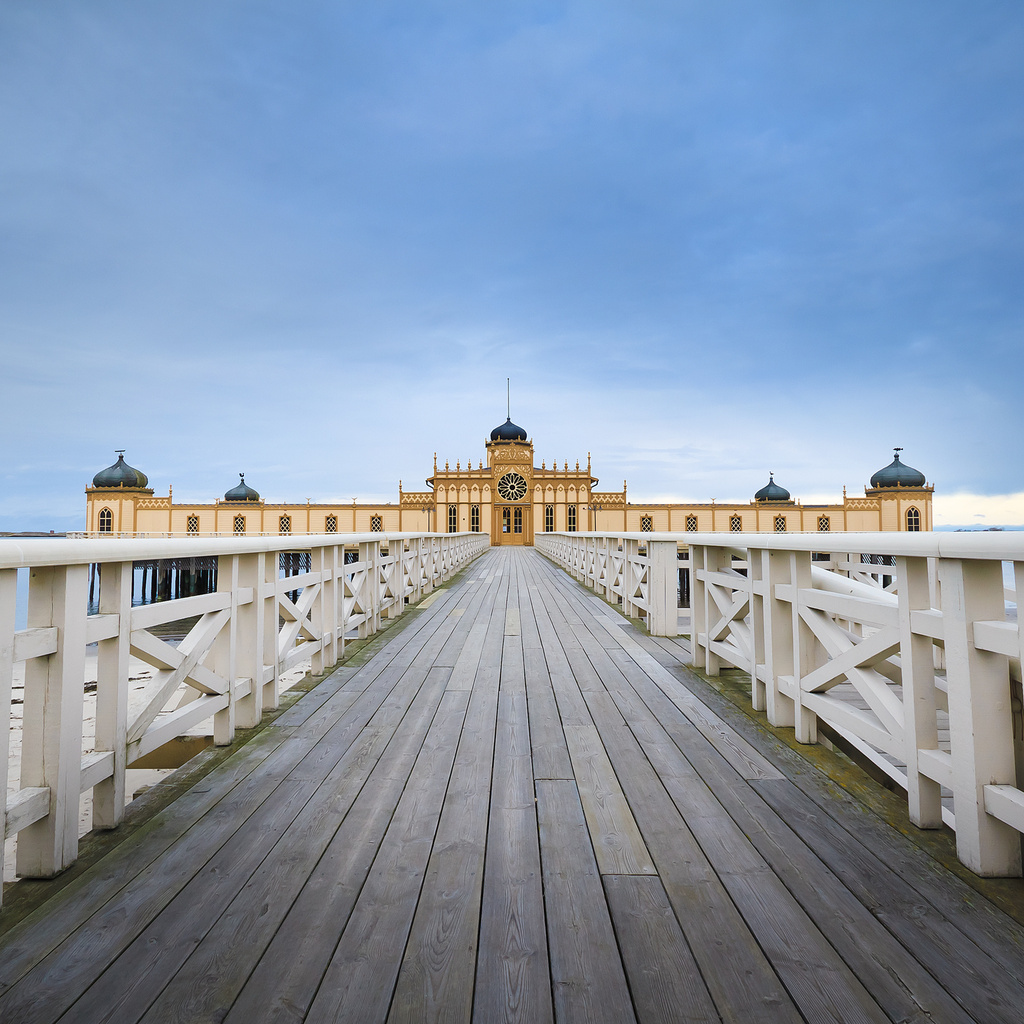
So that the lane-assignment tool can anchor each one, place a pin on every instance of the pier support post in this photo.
(112, 671)
(52, 730)
(980, 720)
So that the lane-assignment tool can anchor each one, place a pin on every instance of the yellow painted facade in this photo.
(505, 496)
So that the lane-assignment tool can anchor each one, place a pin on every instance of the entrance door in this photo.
(512, 524)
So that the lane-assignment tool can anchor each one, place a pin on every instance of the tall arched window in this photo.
(736, 524)
(474, 518)
(193, 524)
(106, 521)
(780, 524)
(549, 518)
(571, 526)
(691, 524)
(376, 524)
(239, 524)
(824, 524)
(913, 520)
(331, 524)
(453, 518)
(285, 524)
(646, 524)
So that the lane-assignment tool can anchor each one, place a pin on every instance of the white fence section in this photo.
(921, 627)
(247, 634)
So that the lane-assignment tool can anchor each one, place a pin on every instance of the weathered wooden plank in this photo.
(435, 981)
(390, 742)
(663, 976)
(742, 982)
(586, 972)
(361, 976)
(550, 753)
(513, 984)
(618, 845)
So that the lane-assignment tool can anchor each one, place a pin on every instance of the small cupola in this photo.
(898, 474)
(242, 491)
(120, 474)
(772, 491)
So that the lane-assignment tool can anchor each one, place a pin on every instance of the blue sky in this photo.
(310, 240)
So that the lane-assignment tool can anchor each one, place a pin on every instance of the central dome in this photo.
(508, 431)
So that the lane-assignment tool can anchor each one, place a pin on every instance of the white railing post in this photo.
(8, 607)
(778, 640)
(369, 552)
(112, 670)
(224, 650)
(698, 618)
(249, 645)
(980, 723)
(662, 613)
(757, 572)
(924, 794)
(52, 726)
(270, 601)
(806, 654)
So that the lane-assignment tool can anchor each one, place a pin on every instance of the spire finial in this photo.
(508, 396)
(120, 451)
(897, 453)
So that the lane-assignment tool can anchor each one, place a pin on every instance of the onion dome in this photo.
(242, 491)
(772, 491)
(896, 474)
(120, 474)
(508, 431)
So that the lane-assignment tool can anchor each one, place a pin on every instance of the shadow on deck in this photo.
(516, 806)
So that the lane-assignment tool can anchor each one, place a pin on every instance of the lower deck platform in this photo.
(519, 808)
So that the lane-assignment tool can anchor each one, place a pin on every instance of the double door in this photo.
(512, 525)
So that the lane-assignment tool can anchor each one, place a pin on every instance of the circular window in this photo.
(512, 487)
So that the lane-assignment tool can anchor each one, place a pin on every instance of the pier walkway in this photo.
(520, 808)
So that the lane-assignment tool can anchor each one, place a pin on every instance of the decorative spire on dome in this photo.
(242, 491)
(772, 491)
(120, 474)
(898, 474)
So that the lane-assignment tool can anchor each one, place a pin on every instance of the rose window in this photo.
(512, 487)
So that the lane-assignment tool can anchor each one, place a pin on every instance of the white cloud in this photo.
(979, 509)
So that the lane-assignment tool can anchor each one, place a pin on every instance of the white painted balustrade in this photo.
(227, 669)
(927, 641)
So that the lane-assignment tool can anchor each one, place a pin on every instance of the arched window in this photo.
(376, 524)
(691, 524)
(193, 524)
(517, 519)
(106, 521)
(549, 518)
(453, 518)
(824, 524)
(571, 526)
(780, 524)
(331, 524)
(474, 518)
(285, 524)
(913, 520)
(239, 524)
(646, 524)
(736, 524)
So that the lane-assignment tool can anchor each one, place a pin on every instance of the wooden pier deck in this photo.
(516, 810)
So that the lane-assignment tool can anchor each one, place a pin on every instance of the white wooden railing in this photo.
(227, 669)
(926, 642)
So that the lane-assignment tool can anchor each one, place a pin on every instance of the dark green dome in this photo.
(772, 491)
(896, 474)
(508, 431)
(120, 474)
(242, 491)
